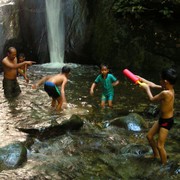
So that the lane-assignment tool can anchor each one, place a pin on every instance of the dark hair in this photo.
(104, 65)
(170, 75)
(65, 69)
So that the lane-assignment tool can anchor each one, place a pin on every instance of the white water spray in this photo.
(55, 26)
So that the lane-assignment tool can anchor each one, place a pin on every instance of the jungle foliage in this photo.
(163, 8)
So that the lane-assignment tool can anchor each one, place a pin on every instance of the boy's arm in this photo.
(92, 88)
(151, 84)
(152, 98)
(41, 81)
(20, 72)
(24, 74)
(63, 91)
(115, 83)
(25, 70)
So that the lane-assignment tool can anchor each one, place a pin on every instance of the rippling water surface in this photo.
(98, 150)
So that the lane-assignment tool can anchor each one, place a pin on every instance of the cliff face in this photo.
(9, 24)
(77, 31)
(22, 25)
(28, 29)
(33, 30)
(138, 35)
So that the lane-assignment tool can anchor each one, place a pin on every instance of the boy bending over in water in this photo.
(50, 86)
(166, 120)
(107, 81)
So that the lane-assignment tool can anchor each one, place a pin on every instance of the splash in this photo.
(55, 26)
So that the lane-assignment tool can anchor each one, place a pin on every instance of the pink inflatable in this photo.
(131, 76)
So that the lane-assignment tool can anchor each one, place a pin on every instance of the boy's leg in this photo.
(150, 136)
(110, 100)
(110, 103)
(160, 144)
(59, 100)
(53, 103)
(103, 100)
(102, 103)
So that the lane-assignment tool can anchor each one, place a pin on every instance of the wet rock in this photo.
(74, 123)
(8, 23)
(12, 156)
(132, 122)
(135, 149)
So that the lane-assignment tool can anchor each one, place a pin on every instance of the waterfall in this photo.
(55, 27)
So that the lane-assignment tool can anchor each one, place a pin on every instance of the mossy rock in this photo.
(132, 122)
(12, 156)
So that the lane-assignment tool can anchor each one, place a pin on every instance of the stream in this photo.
(100, 149)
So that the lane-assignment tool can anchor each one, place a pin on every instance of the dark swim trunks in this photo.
(52, 90)
(11, 88)
(166, 123)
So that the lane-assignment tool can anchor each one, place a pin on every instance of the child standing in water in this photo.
(23, 69)
(50, 86)
(166, 120)
(108, 81)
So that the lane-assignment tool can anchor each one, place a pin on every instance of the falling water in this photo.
(55, 26)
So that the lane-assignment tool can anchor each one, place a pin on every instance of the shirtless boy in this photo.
(10, 66)
(50, 86)
(166, 120)
(23, 69)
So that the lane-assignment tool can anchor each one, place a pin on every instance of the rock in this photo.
(132, 122)
(9, 28)
(135, 149)
(12, 156)
(74, 123)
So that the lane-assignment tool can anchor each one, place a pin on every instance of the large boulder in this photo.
(50, 129)
(131, 122)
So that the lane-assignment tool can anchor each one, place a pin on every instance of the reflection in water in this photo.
(94, 152)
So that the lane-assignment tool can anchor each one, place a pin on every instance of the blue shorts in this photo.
(166, 123)
(52, 90)
(108, 97)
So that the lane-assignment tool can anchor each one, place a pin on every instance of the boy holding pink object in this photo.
(139, 80)
(166, 120)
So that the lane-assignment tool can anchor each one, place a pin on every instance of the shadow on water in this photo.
(99, 150)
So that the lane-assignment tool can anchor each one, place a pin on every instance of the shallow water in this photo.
(98, 150)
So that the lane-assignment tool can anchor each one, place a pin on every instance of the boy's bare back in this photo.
(58, 79)
(167, 103)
